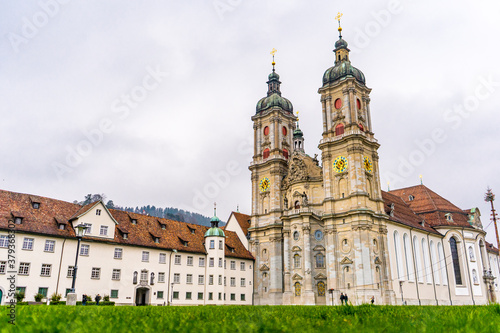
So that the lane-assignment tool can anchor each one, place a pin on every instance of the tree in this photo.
(110, 204)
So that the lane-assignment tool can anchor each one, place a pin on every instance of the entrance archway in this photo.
(142, 296)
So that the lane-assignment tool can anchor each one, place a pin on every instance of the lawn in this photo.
(297, 319)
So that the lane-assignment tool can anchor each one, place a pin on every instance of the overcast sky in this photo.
(150, 102)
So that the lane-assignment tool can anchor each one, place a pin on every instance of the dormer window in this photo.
(35, 205)
(62, 227)
(191, 229)
(157, 239)
(97, 212)
(134, 221)
(18, 220)
(125, 236)
(449, 217)
(411, 197)
(163, 227)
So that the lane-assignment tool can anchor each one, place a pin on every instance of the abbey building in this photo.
(321, 228)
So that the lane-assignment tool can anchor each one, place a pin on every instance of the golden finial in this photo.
(421, 181)
(338, 17)
(297, 115)
(273, 52)
(388, 187)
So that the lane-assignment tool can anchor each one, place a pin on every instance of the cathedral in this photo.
(322, 228)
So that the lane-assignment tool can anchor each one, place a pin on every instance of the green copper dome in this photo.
(342, 70)
(340, 44)
(274, 97)
(298, 133)
(214, 232)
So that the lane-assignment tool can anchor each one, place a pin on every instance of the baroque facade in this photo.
(321, 229)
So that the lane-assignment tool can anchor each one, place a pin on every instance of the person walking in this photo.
(84, 299)
(346, 299)
(373, 299)
(97, 299)
(342, 298)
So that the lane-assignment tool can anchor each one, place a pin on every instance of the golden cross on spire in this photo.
(338, 17)
(273, 52)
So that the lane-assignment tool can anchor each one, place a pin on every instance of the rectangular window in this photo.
(4, 240)
(220, 245)
(210, 279)
(3, 264)
(190, 261)
(114, 293)
(88, 229)
(177, 259)
(220, 262)
(200, 296)
(188, 295)
(71, 271)
(24, 268)
(210, 296)
(212, 244)
(159, 294)
(116, 274)
(28, 244)
(202, 262)
(224, 280)
(68, 290)
(96, 273)
(144, 275)
(176, 295)
(177, 278)
(224, 263)
(145, 256)
(189, 279)
(104, 230)
(21, 290)
(233, 297)
(220, 296)
(118, 253)
(233, 282)
(220, 280)
(97, 212)
(163, 258)
(35, 205)
(84, 250)
(201, 279)
(46, 269)
(211, 262)
(242, 266)
(233, 264)
(18, 220)
(242, 282)
(161, 277)
(242, 298)
(43, 291)
(50, 245)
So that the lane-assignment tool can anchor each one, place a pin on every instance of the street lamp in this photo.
(172, 294)
(401, 289)
(80, 231)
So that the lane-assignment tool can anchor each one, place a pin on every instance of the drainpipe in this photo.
(415, 267)
(169, 274)
(446, 268)
(468, 269)
(59, 271)
(432, 268)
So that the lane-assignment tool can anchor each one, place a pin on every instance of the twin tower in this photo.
(318, 229)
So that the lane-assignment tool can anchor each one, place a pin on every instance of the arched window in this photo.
(456, 261)
(471, 254)
(434, 263)
(297, 204)
(296, 260)
(339, 129)
(285, 131)
(320, 260)
(358, 103)
(442, 264)
(285, 153)
(399, 257)
(321, 288)
(427, 266)
(297, 288)
(418, 260)
(296, 235)
(265, 153)
(361, 127)
(408, 258)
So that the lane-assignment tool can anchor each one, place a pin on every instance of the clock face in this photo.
(368, 164)
(340, 164)
(318, 235)
(264, 185)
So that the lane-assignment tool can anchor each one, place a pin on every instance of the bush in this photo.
(57, 303)
(55, 297)
(106, 298)
(38, 297)
(19, 296)
(89, 299)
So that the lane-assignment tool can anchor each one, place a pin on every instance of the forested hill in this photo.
(167, 212)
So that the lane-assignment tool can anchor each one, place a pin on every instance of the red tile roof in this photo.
(491, 248)
(243, 221)
(45, 219)
(432, 207)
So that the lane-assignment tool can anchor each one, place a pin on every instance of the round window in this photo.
(285, 131)
(296, 235)
(338, 103)
(318, 235)
(358, 103)
(266, 130)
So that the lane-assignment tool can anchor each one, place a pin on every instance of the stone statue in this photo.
(305, 202)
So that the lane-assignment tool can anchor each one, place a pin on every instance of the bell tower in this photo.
(273, 125)
(353, 204)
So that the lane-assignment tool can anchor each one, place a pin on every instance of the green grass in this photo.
(297, 319)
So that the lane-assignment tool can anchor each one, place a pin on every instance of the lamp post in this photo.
(401, 288)
(172, 294)
(80, 231)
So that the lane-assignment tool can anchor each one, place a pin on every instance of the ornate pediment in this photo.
(378, 261)
(318, 248)
(296, 277)
(302, 167)
(346, 261)
(320, 276)
(264, 267)
(296, 248)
